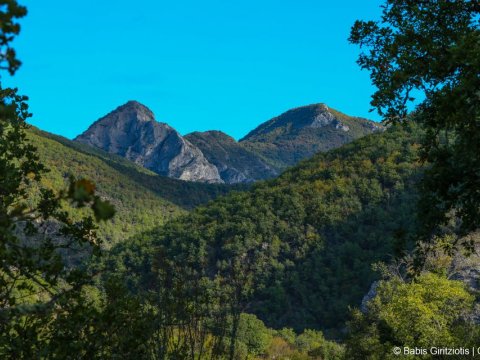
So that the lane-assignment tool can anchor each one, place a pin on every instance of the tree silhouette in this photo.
(35, 230)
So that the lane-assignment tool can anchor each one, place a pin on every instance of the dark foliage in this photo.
(430, 49)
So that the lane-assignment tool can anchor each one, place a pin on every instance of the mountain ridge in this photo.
(302, 132)
(324, 116)
(132, 131)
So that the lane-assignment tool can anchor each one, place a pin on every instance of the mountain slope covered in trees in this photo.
(296, 251)
(143, 199)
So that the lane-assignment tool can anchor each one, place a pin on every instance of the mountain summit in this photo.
(131, 131)
(310, 116)
(301, 132)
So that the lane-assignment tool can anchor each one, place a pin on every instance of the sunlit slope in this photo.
(143, 199)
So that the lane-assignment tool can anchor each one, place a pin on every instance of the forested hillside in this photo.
(368, 250)
(142, 199)
(296, 251)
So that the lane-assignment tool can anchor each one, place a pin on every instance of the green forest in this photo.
(142, 199)
(368, 250)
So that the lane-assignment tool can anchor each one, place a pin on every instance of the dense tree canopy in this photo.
(296, 251)
(429, 50)
(430, 311)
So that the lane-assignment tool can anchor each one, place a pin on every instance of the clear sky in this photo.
(199, 65)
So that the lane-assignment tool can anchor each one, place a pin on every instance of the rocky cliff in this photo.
(131, 131)
(234, 163)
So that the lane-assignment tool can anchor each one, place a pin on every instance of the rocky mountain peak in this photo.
(324, 118)
(131, 131)
(314, 116)
(303, 131)
(132, 110)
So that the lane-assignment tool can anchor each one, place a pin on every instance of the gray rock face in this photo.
(467, 269)
(372, 292)
(325, 118)
(234, 163)
(132, 132)
(214, 157)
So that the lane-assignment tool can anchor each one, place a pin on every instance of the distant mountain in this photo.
(235, 163)
(302, 132)
(131, 131)
(142, 199)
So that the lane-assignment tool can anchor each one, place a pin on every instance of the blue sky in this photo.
(199, 65)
